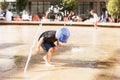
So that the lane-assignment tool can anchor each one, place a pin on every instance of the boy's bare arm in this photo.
(39, 44)
(58, 43)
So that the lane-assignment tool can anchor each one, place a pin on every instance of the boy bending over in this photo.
(47, 41)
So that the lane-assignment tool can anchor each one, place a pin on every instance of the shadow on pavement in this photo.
(7, 45)
(66, 63)
(37, 59)
(107, 77)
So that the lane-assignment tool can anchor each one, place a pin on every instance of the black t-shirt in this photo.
(48, 36)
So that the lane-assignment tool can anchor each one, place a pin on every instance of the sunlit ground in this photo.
(90, 54)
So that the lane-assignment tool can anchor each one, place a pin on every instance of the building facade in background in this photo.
(8, 0)
(84, 6)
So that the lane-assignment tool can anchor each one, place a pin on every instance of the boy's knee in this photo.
(55, 49)
(52, 50)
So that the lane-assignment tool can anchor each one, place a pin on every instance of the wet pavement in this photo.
(90, 54)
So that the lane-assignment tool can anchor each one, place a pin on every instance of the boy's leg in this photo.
(49, 54)
(50, 48)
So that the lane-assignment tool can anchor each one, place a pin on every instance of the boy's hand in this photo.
(37, 50)
(59, 43)
(39, 44)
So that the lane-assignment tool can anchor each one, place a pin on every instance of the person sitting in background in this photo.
(2, 17)
(110, 19)
(9, 15)
(35, 18)
(104, 16)
(78, 19)
(17, 18)
(71, 16)
(65, 18)
(44, 18)
(25, 16)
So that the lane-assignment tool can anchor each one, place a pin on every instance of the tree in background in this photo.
(3, 5)
(113, 7)
(21, 4)
(67, 5)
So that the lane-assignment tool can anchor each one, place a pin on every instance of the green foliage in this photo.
(21, 4)
(3, 5)
(113, 7)
(51, 15)
(69, 5)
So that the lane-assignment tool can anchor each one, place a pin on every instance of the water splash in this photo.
(31, 49)
(77, 50)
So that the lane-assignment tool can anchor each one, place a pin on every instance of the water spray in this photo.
(31, 49)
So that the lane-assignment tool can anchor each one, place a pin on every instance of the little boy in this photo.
(47, 41)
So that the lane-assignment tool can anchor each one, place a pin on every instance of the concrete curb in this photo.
(61, 23)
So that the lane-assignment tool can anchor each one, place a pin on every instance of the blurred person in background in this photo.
(95, 18)
(9, 15)
(35, 18)
(25, 16)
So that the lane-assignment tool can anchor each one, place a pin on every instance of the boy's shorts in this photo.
(47, 46)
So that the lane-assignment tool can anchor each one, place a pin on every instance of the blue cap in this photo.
(62, 34)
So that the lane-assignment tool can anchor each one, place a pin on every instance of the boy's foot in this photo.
(48, 64)
(45, 59)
